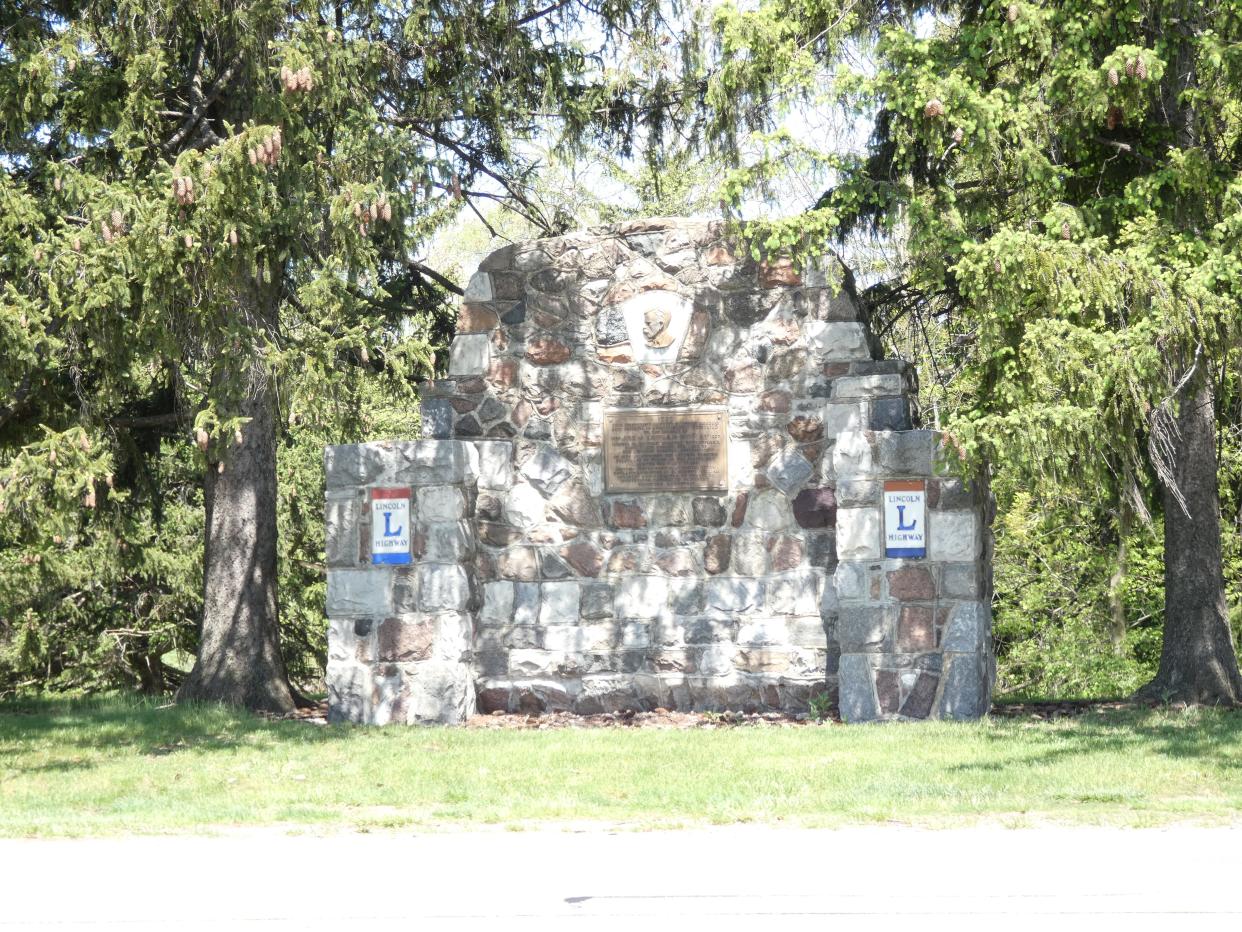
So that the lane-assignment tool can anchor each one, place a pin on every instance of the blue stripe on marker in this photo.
(390, 558)
(906, 552)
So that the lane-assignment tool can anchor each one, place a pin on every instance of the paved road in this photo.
(730, 878)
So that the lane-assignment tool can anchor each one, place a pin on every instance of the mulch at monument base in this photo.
(663, 718)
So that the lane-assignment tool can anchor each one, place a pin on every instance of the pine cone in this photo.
(1066, 233)
(386, 212)
(232, 237)
(1013, 13)
(253, 155)
(958, 135)
(89, 498)
(934, 108)
(56, 183)
(200, 438)
(189, 241)
(1140, 70)
(1130, 65)
(118, 221)
(1113, 77)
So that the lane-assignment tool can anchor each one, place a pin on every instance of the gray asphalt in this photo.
(886, 877)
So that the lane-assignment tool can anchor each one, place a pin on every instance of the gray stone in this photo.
(340, 522)
(547, 470)
(961, 581)
(858, 534)
(440, 503)
(788, 470)
(442, 588)
(965, 695)
(837, 341)
(469, 354)
(479, 288)
(597, 600)
(793, 594)
(954, 536)
(907, 452)
(842, 416)
(864, 629)
(856, 493)
(890, 414)
(421, 462)
(728, 596)
(349, 691)
(686, 595)
(867, 386)
(559, 603)
(967, 630)
(526, 600)
(857, 689)
(852, 457)
(359, 592)
(342, 466)
(495, 464)
(441, 693)
(641, 597)
(524, 507)
(768, 510)
(750, 553)
(610, 327)
(436, 419)
(447, 542)
(497, 603)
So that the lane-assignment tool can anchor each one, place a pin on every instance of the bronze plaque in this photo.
(666, 451)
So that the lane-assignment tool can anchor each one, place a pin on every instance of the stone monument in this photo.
(658, 474)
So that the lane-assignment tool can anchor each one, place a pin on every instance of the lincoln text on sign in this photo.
(905, 518)
(390, 525)
(666, 450)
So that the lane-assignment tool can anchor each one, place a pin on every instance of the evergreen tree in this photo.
(209, 211)
(1068, 179)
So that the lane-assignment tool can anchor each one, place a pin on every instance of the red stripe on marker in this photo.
(389, 493)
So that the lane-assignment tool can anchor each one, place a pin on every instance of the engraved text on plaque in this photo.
(666, 451)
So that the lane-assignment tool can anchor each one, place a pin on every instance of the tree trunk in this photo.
(239, 659)
(1197, 662)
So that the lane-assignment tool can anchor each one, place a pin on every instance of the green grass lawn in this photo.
(119, 765)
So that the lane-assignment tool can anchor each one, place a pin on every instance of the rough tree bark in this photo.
(239, 660)
(1197, 661)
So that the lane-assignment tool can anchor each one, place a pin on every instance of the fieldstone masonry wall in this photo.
(535, 586)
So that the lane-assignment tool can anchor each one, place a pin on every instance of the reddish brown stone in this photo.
(739, 508)
(717, 554)
(919, 703)
(833, 370)
(718, 255)
(463, 405)
(405, 641)
(585, 559)
(786, 552)
(627, 514)
(573, 504)
(546, 351)
(743, 377)
(911, 584)
(418, 544)
(503, 372)
(494, 699)
(916, 630)
(475, 318)
(547, 404)
(545, 320)
(471, 386)
(521, 413)
(696, 335)
(778, 272)
(777, 402)
(875, 585)
(620, 353)
(806, 429)
(520, 563)
(488, 507)
(887, 690)
(498, 535)
(815, 508)
(499, 341)
(676, 562)
(783, 331)
(543, 535)
(622, 561)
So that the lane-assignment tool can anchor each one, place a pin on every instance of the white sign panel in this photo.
(905, 518)
(390, 525)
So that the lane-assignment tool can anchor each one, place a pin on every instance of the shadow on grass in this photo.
(1213, 736)
(84, 732)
